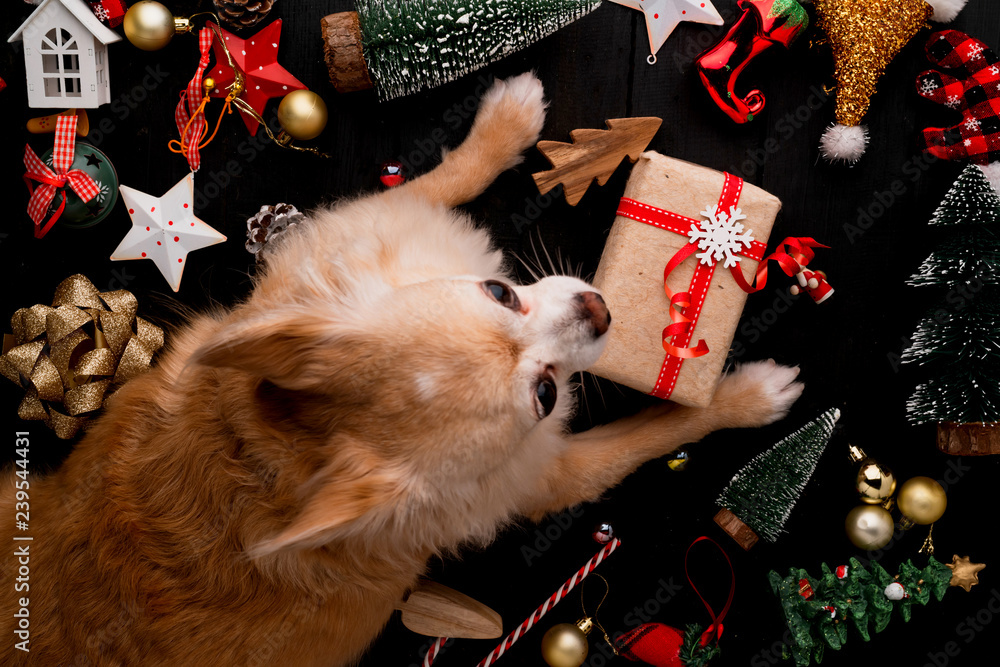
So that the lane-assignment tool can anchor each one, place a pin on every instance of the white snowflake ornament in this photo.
(721, 236)
(165, 229)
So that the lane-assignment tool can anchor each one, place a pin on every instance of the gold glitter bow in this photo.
(67, 356)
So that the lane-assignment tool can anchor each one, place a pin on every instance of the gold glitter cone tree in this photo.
(865, 35)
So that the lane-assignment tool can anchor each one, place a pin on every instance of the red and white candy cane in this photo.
(551, 602)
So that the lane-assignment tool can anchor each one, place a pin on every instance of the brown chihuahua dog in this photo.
(270, 490)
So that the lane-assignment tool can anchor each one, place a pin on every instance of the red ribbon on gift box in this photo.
(54, 180)
(791, 254)
(112, 11)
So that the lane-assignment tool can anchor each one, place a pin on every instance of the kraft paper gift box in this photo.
(630, 276)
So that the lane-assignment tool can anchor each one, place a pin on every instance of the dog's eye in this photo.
(545, 397)
(502, 294)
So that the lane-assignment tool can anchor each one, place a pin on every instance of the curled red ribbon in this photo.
(55, 179)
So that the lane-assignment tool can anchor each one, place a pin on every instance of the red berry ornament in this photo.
(392, 175)
(603, 533)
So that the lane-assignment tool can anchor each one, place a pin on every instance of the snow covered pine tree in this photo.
(955, 344)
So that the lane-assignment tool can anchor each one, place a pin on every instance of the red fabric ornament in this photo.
(257, 58)
(973, 90)
(805, 589)
(764, 23)
(661, 645)
(112, 11)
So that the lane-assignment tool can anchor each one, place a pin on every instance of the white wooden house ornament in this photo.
(65, 55)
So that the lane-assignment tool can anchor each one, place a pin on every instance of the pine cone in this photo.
(270, 223)
(242, 13)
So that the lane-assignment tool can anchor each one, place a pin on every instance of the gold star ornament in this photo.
(964, 573)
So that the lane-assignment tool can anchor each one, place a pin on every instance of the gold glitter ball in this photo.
(865, 36)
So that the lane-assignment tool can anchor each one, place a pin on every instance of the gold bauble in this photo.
(565, 645)
(869, 527)
(921, 500)
(302, 114)
(875, 482)
(149, 25)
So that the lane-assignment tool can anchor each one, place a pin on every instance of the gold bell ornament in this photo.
(870, 526)
(150, 26)
(565, 644)
(921, 500)
(865, 35)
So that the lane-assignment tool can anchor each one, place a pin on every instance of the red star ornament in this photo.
(257, 59)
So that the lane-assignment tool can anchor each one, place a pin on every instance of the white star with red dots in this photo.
(165, 229)
(257, 58)
(662, 16)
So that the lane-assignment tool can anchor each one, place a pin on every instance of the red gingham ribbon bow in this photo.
(53, 180)
(189, 108)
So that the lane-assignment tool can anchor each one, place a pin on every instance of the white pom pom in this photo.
(945, 11)
(992, 172)
(844, 143)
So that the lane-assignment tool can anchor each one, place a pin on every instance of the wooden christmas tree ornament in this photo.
(593, 154)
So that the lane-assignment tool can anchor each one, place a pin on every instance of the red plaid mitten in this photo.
(973, 89)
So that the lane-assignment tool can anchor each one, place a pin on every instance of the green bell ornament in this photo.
(77, 213)
(72, 183)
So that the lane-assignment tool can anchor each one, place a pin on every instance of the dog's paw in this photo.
(756, 394)
(512, 113)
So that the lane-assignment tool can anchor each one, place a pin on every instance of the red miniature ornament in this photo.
(764, 23)
(842, 571)
(603, 533)
(660, 645)
(110, 11)
(812, 283)
(805, 589)
(257, 59)
(392, 175)
(831, 610)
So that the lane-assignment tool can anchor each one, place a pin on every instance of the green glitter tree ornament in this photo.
(818, 610)
(957, 343)
(759, 499)
(400, 47)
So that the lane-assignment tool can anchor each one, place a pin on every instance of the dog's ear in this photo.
(293, 353)
(334, 504)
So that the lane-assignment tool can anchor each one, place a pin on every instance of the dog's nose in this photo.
(593, 308)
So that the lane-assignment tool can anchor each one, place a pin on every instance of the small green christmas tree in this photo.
(956, 343)
(760, 497)
(819, 610)
(409, 45)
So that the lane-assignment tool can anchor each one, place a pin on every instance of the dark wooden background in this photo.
(593, 70)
